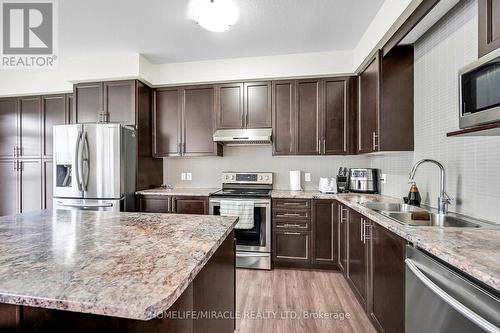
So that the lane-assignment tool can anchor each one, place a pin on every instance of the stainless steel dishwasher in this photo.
(439, 299)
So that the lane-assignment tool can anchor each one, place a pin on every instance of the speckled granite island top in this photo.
(202, 192)
(129, 265)
(475, 251)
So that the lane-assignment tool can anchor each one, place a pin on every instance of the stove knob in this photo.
(226, 177)
(232, 177)
(260, 177)
(267, 178)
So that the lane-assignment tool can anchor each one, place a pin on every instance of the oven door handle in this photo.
(451, 301)
(253, 254)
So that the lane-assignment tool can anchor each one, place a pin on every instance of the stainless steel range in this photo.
(253, 242)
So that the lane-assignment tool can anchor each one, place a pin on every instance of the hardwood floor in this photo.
(273, 293)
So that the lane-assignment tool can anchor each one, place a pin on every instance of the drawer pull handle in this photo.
(290, 225)
(292, 233)
(292, 203)
(288, 214)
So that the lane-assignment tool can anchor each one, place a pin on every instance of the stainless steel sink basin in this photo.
(436, 220)
(390, 207)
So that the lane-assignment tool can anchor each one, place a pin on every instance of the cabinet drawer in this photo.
(291, 215)
(291, 246)
(295, 225)
(154, 204)
(290, 204)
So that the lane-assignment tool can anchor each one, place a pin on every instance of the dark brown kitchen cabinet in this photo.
(54, 112)
(190, 205)
(30, 116)
(47, 184)
(343, 233)
(385, 114)
(489, 26)
(291, 247)
(9, 127)
(325, 232)
(358, 256)
(388, 280)
(314, 116)
(257, 104)
(184, 122)
(88, 99)
(230, 105)
(9, 178)
(154, 204)
(30, 185)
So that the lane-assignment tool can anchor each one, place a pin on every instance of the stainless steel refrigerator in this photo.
(94, 167)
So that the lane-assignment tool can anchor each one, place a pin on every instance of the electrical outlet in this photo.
(183, 176)
(189, 176)
(383, 178)
(307, 177)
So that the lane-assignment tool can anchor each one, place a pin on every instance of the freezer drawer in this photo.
(438, 299)
(89, 204)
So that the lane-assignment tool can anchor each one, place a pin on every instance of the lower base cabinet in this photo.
(292, 247)
(357, 257)
(172, 204)
(388, 280)
(325, 233)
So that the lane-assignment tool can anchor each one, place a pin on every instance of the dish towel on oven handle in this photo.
(241, 208)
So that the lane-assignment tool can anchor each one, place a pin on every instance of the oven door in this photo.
(257, 239)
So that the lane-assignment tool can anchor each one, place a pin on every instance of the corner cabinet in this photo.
(314, 116)
(184, 122)
(385, 111)
(489, 26)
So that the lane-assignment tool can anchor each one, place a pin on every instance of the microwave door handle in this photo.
(85, 161)
(451, 301)
(77, 162)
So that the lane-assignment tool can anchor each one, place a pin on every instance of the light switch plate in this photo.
(183, 176)
(383, 178)
(307, 177)
(189, 176)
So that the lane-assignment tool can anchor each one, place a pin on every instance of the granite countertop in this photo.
(475, 251)
(129, 265)
(202, 192)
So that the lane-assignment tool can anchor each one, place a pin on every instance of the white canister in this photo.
(295, 180)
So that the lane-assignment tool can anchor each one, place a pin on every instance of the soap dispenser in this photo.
(413, 195)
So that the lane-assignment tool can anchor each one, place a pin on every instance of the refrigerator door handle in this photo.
(77, 162)
(85, 162)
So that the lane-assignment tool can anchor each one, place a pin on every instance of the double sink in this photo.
(403, 214)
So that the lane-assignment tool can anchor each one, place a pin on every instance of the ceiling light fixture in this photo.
(214, 15)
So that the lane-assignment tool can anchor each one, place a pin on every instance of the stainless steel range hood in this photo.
(248, 136)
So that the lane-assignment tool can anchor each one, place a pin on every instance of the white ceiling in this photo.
(161, 30)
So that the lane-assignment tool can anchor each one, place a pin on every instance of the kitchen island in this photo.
(83, 271)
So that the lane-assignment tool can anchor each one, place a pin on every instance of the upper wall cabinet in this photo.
(243, 105)
(489, 26)
(9, 125)
(113, 101)
(385, 114)
(313, 116)
(184, 122)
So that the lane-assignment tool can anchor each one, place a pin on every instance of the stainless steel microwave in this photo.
(479, 85)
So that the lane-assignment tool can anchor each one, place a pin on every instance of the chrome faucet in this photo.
(443, 199)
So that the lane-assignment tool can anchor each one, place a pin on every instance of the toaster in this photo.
(363, 180)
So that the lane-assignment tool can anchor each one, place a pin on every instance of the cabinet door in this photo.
(30, 119)
(308, 117)
(47, 184)
(283, 117)
(489, 26)
(388, 273)
(335, 118)
(54, 112)
(154, 204)
(167, 122)
(325, 228)
(10, 193)
(30, 185)
(369, 103)
(257, 104)
(199, 121)
(358, 263)
(230, 105)
(291, 246)
(119, 101)
(9, 124)
(343, 216)
(88, 102)
(190, 205)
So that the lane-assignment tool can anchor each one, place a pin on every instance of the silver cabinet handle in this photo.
(15, 151)
(362, 228)
(291, 203)
(289, 225)
(375, 137)
(16, 165)
(324, 146)
(288, 214)
(292, 233)
(448, 299)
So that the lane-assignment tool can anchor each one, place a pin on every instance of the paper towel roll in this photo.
(295, 180)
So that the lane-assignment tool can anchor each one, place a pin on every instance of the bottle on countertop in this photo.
(413, 198)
